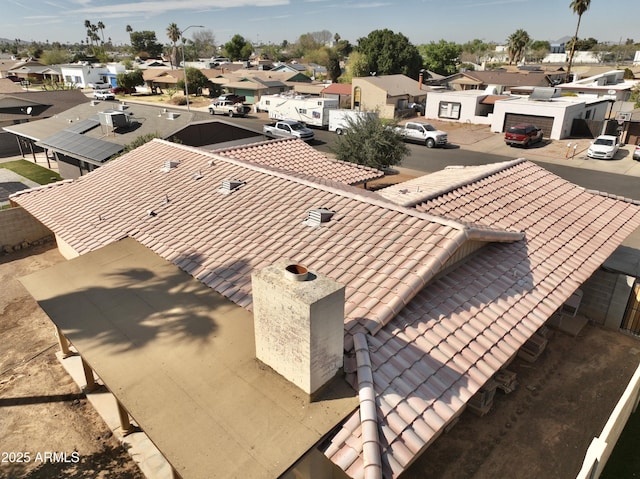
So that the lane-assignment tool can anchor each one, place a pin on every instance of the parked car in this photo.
(636, 153)
(523, 134)
(604, 147)
(103, 95)
(120, 90)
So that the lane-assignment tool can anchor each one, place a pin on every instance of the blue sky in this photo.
(273, 21)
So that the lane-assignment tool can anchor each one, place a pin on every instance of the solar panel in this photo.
(542, 94)
(83, 126)
(74, 144)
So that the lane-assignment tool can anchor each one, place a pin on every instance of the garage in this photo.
(543, 122)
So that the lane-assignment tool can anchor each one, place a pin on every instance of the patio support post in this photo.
(64, 344)
(88, 374)
(125, 423)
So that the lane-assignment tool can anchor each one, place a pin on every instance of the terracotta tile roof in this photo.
(431, 348)
(460, 329)
(380, 251)
(338, 89)
(296, 155)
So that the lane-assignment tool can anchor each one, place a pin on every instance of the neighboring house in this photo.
(468, 106)
(82, 73)
(558, 116)
(35, 72)
(389, 95)
(340, 92)
(610, 85)
(445, 278)
(19, 107)
(86, 136)
(498, 82)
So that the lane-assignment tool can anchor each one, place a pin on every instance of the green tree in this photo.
(174, 34)
(144, 43)
(333, 66)
(371, 142)
(238, 48)
(55, 56)
(539, 49)
(196, 81)
(442, 57)
(475, 49)
(517, 45)
(578, 7)
(130, 80)
(390, 53)
(357, 66)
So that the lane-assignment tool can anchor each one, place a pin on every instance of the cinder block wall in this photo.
(598, 293)
(18, 229)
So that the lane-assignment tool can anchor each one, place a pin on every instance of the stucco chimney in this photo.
(299, 323)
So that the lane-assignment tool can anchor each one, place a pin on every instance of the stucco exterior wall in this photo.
(469, 106)
(18, 229)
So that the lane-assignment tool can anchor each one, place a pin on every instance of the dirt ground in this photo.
(47, 427)
(541, 429)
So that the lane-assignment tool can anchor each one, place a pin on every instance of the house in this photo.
(441, 281)
(501, 81)
(82, 73)
(389, 95)
(88, 135)
(558, 116)
(19, 107)
(610, 85)
(34, 71)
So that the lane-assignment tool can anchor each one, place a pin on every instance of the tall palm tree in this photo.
(517, 44)
(101, 28)
(579, 7)
(174, 34)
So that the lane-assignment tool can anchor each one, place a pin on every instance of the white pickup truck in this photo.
(227, 107)
(423, 133)
(288, 129)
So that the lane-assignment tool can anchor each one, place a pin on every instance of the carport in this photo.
(180, 360)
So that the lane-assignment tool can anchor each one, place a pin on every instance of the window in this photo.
(587, 114)
(302, 111)
(449, 110)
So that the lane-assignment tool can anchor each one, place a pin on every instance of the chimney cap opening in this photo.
(296, 272)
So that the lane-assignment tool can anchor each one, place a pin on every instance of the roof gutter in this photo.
(368, 415)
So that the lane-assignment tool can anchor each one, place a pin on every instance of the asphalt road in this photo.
(429, 160)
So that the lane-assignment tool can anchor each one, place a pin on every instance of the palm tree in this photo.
(101, 28)
(174, 34)
(517, 44)
(579, 7)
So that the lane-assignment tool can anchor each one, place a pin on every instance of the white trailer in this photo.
(313, 111)
(339, 119)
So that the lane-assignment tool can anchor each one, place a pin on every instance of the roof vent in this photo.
(172, 115)
(319, 216)
(168, 165)
(94, 102)
(229, 186)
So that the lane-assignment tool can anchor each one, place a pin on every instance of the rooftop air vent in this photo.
(319, 216)
(172, 115)
(168, 165)
(229, 186)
